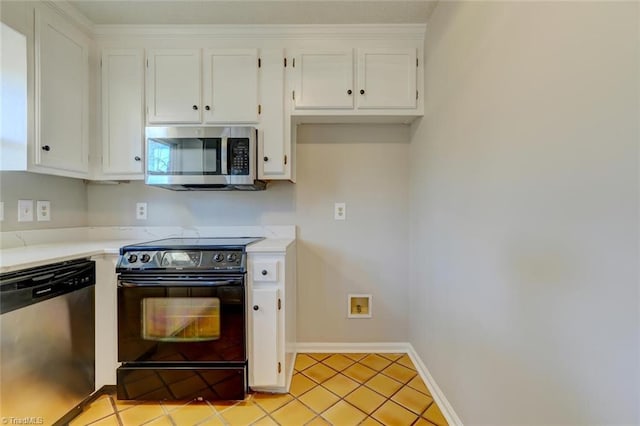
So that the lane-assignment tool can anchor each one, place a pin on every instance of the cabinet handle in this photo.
(264, 272)
(349, 92)
(362, 91)
(207, 107)
(266, 158)
(256, 307)
(137, 158)
(46, 148)
(195, 107)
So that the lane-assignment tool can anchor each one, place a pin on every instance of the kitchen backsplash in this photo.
(68, 198)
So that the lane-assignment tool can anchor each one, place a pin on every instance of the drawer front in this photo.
(264, 271)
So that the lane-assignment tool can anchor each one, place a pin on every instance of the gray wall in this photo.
(364, 166)
(524, 212)
(68, 199)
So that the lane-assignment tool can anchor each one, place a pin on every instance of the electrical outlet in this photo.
(43, 211)
(1, 211)
(141, 211)
(340, 211)
(25, 210)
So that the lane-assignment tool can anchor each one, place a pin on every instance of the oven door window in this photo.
(181, 319)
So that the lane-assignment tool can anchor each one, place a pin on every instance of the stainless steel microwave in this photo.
(202, 158)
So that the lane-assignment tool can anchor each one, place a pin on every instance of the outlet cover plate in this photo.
(340, 211)
(141, 211)
(43, 211)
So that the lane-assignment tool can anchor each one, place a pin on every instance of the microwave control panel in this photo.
(238, 156)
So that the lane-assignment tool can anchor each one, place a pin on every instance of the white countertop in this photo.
(13, 259)
(270, 245)
(36, 255)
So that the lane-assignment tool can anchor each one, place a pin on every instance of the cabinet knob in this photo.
(362, 91)
(195, 107)
(137, 158)
(349, 92)
(207, 107)
(264, 272)
(256, 307)
(46, 148)
(266, 158)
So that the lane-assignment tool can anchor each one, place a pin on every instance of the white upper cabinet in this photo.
(122, 113)
(13, 102)
(182, 88)
(173, 86)
(62, 97)
(323, 79)
(386, 78)
(230, 82)
(274, 148)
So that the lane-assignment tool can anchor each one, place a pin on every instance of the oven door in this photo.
(179, 319)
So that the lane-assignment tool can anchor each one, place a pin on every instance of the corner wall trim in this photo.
(385, 347)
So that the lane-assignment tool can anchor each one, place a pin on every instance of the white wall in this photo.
(364, 166)
(524, 212)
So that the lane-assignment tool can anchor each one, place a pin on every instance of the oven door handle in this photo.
(179, 283)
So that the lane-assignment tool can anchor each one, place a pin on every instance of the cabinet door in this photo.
(230, 81)
(62, 88)
(122, 111)
(386, 78)
(173, 86)
(265, 352)
(323, 79)
(13, 101)
(274, 144)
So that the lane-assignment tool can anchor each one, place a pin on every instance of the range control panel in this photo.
(223, 260)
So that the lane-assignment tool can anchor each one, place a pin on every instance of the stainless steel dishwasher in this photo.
(47, 348)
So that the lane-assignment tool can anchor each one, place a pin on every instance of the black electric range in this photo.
(182, 319)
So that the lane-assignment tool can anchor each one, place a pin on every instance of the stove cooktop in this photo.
(193, 244)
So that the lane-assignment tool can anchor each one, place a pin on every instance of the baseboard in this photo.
(339, 347)
(436, 392)
(385, 347)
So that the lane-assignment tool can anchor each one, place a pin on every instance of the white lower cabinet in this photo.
(106, 325)
(266, 364)
(271, 278)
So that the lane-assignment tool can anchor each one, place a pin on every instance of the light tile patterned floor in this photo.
(327, 389)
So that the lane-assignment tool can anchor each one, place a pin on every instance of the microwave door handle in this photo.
(223, 156)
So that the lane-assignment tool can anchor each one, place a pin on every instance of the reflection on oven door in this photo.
(181, 319)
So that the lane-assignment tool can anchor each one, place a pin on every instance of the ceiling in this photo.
(255, 11)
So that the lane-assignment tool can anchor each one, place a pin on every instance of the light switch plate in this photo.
(25, 210)
(1, 211)
(43, 211)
